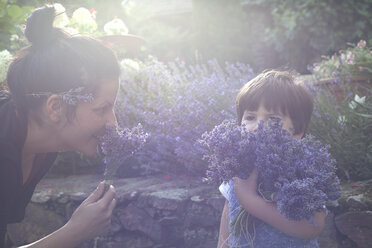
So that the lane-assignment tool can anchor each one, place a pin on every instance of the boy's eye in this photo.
(250, 118)
(274, 118)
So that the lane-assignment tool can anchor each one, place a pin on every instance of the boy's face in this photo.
(251, 119)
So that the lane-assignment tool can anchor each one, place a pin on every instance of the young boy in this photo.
(270, 94)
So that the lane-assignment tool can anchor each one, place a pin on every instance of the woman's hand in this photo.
(93, 216)
(90, 219)
(248, 186)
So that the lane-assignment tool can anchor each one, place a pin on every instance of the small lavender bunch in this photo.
(118, 145)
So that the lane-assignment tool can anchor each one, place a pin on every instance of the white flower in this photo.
(341, 119)
(5, 60)
(316, 68)
(84, 20)
(350, 58)
(14, 38)
(353, 104)
(129, 68)
(116, 26)
(81, 14)
(129, 64)
(61, 19)
(71, 31)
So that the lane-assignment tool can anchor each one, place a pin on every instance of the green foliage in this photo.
(303, 29)
(342, 114)
(231, 31)
(354, 61)
(167, 36)
(12, 15)
(263, 33)
(346, 126)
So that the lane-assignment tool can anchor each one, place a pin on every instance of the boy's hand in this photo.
(247, 186)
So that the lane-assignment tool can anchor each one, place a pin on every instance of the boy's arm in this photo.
(245, 191)
(223, 237)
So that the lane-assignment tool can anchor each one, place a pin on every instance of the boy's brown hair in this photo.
(277, 91)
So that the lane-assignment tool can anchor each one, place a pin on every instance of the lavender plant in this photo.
(298, 175)
(177, 103)
(118, 145)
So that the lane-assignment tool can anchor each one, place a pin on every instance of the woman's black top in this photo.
(14, 195)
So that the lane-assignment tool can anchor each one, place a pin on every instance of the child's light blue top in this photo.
(266, 236)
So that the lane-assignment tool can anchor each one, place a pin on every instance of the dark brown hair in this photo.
(277, 91)
(56, 62)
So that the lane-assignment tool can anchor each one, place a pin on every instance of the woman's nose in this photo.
(111, 120)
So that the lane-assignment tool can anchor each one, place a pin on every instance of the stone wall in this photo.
(165, 212)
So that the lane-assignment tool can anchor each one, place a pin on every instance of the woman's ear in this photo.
(54, 108)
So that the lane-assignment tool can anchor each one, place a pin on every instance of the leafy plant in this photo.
(304, 29)
(12, 15)
(347, 128)
(5, 59)
(353, 61)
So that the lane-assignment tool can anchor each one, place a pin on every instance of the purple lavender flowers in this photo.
(118, 145)
(177, 102)
(299, 175)
(73, 96)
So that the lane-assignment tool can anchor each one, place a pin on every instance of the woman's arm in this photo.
(223, 237)
(246, 193)
(90, 219)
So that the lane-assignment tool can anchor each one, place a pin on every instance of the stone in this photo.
(357, 225)
(196, 198)
(199, 237)
(38, 223)
(170, 199)
(357, 202)
(136, 219)
(164, 213)
(217, 202)
(40, 197)
(328, 236)
(201, 215)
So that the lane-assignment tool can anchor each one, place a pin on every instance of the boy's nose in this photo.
(258, 123)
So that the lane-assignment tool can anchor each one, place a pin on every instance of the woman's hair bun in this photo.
(39, 25)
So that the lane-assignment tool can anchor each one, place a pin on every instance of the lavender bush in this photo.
(299, 175)
(176, 103)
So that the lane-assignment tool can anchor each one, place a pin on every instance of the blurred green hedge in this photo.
(263, 33)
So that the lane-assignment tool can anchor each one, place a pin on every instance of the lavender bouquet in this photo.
(118, 145)
(298, 175)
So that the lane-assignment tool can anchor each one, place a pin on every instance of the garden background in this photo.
(182, 64)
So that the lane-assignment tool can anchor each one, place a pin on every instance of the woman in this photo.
(62, 93)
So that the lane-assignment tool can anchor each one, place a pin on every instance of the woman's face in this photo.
(83, 133)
